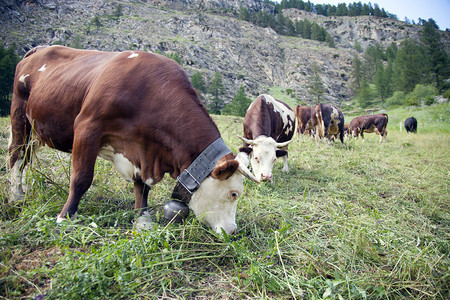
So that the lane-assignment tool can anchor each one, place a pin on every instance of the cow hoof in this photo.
(144, 222)
(60, 219)
(16, 197)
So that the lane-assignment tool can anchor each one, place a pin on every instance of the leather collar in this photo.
(189, 180)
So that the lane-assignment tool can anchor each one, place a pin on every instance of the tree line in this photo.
(404, 74)
(285, 26)
(353, 9)
(8, 62)
(216, 89)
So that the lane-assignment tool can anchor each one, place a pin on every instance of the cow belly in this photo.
(371, 129)
(121, 163)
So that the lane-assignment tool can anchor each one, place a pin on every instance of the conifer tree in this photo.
(315, 86)
(216, 89)
(239, 105)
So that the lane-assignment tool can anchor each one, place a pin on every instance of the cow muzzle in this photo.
(229, 229)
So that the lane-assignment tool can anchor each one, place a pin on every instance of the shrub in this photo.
(397, 99)
(421, 92)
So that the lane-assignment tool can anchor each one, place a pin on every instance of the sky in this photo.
(438, 10)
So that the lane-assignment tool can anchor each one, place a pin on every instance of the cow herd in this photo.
(140, 111)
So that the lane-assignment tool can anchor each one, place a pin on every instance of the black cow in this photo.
(411, 125)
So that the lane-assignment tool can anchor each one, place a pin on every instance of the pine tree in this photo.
(357, 72)
(239, 105)
(8, 62)
(216, 89)
(411, 66)
(198, 82)
(364, 94)
(383, 81)
(315, 86)
(435, 50)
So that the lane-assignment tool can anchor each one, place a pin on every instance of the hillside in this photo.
(208, 38)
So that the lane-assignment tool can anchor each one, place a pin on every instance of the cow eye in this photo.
(234, 195)
(257, 159)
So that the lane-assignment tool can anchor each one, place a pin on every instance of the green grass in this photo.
(370, 221)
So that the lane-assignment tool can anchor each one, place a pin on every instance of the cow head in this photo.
(215, 201)
(264, 152)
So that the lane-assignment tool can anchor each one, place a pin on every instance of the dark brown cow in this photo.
(370, 123)
(268, 128)
(328, 122)
(303, 118)
(135, 109)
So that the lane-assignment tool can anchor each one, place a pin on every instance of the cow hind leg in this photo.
(19, 154)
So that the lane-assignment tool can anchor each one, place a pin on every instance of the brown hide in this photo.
(369, 123)
(141, 104)
(262, 119)
(303, 117)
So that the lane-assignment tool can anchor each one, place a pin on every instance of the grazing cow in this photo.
(135, 109)
(411, 125)
(346, 130)
(369, 123)
(303, 118)
(269, 126)
(328, 122)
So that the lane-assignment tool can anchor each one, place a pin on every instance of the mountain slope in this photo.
(207, 37)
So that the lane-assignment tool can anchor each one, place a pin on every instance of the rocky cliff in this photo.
(207, 37)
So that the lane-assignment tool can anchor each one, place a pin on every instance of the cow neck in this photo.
(191, 178)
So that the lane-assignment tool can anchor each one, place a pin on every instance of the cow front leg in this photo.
(84, 155)
(285, 164)
(141, 190)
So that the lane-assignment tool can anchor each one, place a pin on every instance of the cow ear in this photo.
(281, 153)
(225, 169)
(247, 150)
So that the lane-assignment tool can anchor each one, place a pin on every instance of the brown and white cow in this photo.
(268, 128)
(135, 109)
(303, 118)
(328, 122)
(369, 123)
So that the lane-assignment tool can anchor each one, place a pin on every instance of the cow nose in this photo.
(229, 229)
(266, 177)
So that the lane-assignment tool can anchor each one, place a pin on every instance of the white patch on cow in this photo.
(214, 204)
(263, 157)
(121, 163)
(60, 219)
(281, 109)
(149, 181)
(10, 136)
(43, 68)
(16, 182)
(23, 78)
(133, 55)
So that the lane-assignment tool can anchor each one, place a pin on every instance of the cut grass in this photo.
(367, 221)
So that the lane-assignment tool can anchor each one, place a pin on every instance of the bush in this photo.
(420, 93)
(446, 94)
(397, 99)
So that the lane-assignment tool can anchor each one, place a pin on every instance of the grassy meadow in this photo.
(369, 221)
